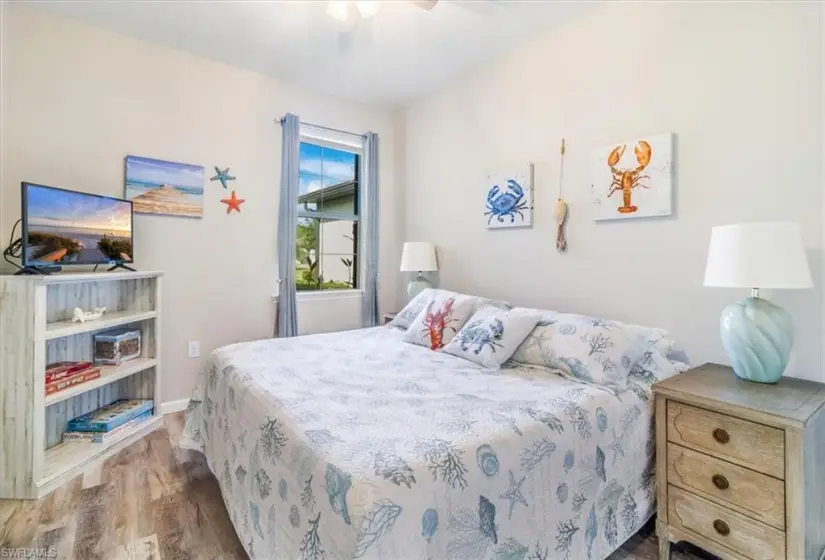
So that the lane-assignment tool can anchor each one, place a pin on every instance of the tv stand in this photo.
(35, 271)
(120, 265)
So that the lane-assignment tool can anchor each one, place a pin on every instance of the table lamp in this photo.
(418, 256)
(757, 334)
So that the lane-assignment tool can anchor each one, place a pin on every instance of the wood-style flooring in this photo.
(155, 501)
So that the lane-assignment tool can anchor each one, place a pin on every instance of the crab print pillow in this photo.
(492, 335)
(440, 320)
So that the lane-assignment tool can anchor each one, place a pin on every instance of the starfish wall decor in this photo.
(222, 175)
(233, 203)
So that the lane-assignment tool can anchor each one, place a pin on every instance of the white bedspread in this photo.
(358, 445)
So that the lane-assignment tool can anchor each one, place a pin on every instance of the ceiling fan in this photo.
(356, 16)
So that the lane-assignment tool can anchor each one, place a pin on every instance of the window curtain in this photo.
(287, 224)
(369, 225)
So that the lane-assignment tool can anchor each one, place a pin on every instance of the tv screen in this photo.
(63, 227)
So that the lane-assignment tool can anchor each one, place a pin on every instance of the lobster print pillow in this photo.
(407, 315)
(440, 320)
(492, 335)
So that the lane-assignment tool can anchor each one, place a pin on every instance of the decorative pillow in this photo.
(587, 349)
(492, 335)
(440, 320)
(407, 315)
(653, 366)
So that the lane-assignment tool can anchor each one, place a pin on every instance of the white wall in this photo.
(740, 84)
(76, 99)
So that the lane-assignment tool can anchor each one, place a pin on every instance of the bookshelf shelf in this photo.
(108, 374)
(61, 329)
(66, 460)
(36, 331)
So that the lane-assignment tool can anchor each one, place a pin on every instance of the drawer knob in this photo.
(720, 482)
(721, 435)
(721, 527)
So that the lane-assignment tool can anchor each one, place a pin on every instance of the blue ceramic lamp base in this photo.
(417, 285)
(758, 337)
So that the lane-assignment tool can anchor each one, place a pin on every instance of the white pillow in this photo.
(440, 320)
(492, 335)
(406, 316)
(587, 349)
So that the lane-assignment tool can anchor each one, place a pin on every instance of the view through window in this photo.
(327, 236)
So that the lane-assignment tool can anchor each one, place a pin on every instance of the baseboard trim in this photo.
(173, 406)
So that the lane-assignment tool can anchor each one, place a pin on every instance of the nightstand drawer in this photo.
(754, 494)
(725, 527)
(757, 447)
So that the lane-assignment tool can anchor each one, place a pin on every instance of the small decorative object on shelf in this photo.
(757, 334)
(116, 346)
(80, 316)
(418, 256)
(739, 465)
(109, 417)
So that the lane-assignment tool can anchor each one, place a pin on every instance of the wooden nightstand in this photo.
(741, 466)
(389, 316)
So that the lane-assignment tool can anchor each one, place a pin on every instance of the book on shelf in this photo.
(61, 370)
(103, 437)
(72, 380)
(111, 416)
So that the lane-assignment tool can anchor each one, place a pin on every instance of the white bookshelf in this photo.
(35, 330)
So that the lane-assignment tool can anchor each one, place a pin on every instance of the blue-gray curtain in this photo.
(287, 223)
(369, 227)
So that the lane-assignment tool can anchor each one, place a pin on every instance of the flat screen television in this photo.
(63, 227)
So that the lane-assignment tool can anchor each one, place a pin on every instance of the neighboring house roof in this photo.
(333, 192)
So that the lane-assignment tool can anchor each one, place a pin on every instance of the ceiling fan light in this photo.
(367, 8)
(338, 9)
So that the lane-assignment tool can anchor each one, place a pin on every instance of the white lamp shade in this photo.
(768, 255)
(418, 255)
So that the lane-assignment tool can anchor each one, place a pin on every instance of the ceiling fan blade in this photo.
(424, 4)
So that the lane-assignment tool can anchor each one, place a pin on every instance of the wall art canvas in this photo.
(164, 187)
(633, 179)
(509, 200)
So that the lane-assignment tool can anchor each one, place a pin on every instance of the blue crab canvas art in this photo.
(509, 201)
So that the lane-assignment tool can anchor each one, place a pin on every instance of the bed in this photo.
(359, 445)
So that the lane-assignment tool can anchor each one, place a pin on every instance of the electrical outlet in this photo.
(194, 349)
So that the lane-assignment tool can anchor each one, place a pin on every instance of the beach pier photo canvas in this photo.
(164, 187)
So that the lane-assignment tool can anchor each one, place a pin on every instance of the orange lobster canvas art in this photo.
(634, 183)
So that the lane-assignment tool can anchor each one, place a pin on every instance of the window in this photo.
(327, 236)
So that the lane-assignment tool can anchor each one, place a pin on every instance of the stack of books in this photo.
(62, 375)
(109, 422)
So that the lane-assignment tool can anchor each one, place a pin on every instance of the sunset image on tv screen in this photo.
(65, 227)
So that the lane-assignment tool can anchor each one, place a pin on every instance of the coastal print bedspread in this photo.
(358, 445)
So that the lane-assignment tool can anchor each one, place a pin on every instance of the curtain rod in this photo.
(281, 120)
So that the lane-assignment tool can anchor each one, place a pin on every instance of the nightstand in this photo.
(389, 316)
(740, 466)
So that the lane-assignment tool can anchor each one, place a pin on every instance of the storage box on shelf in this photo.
(35, 330)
